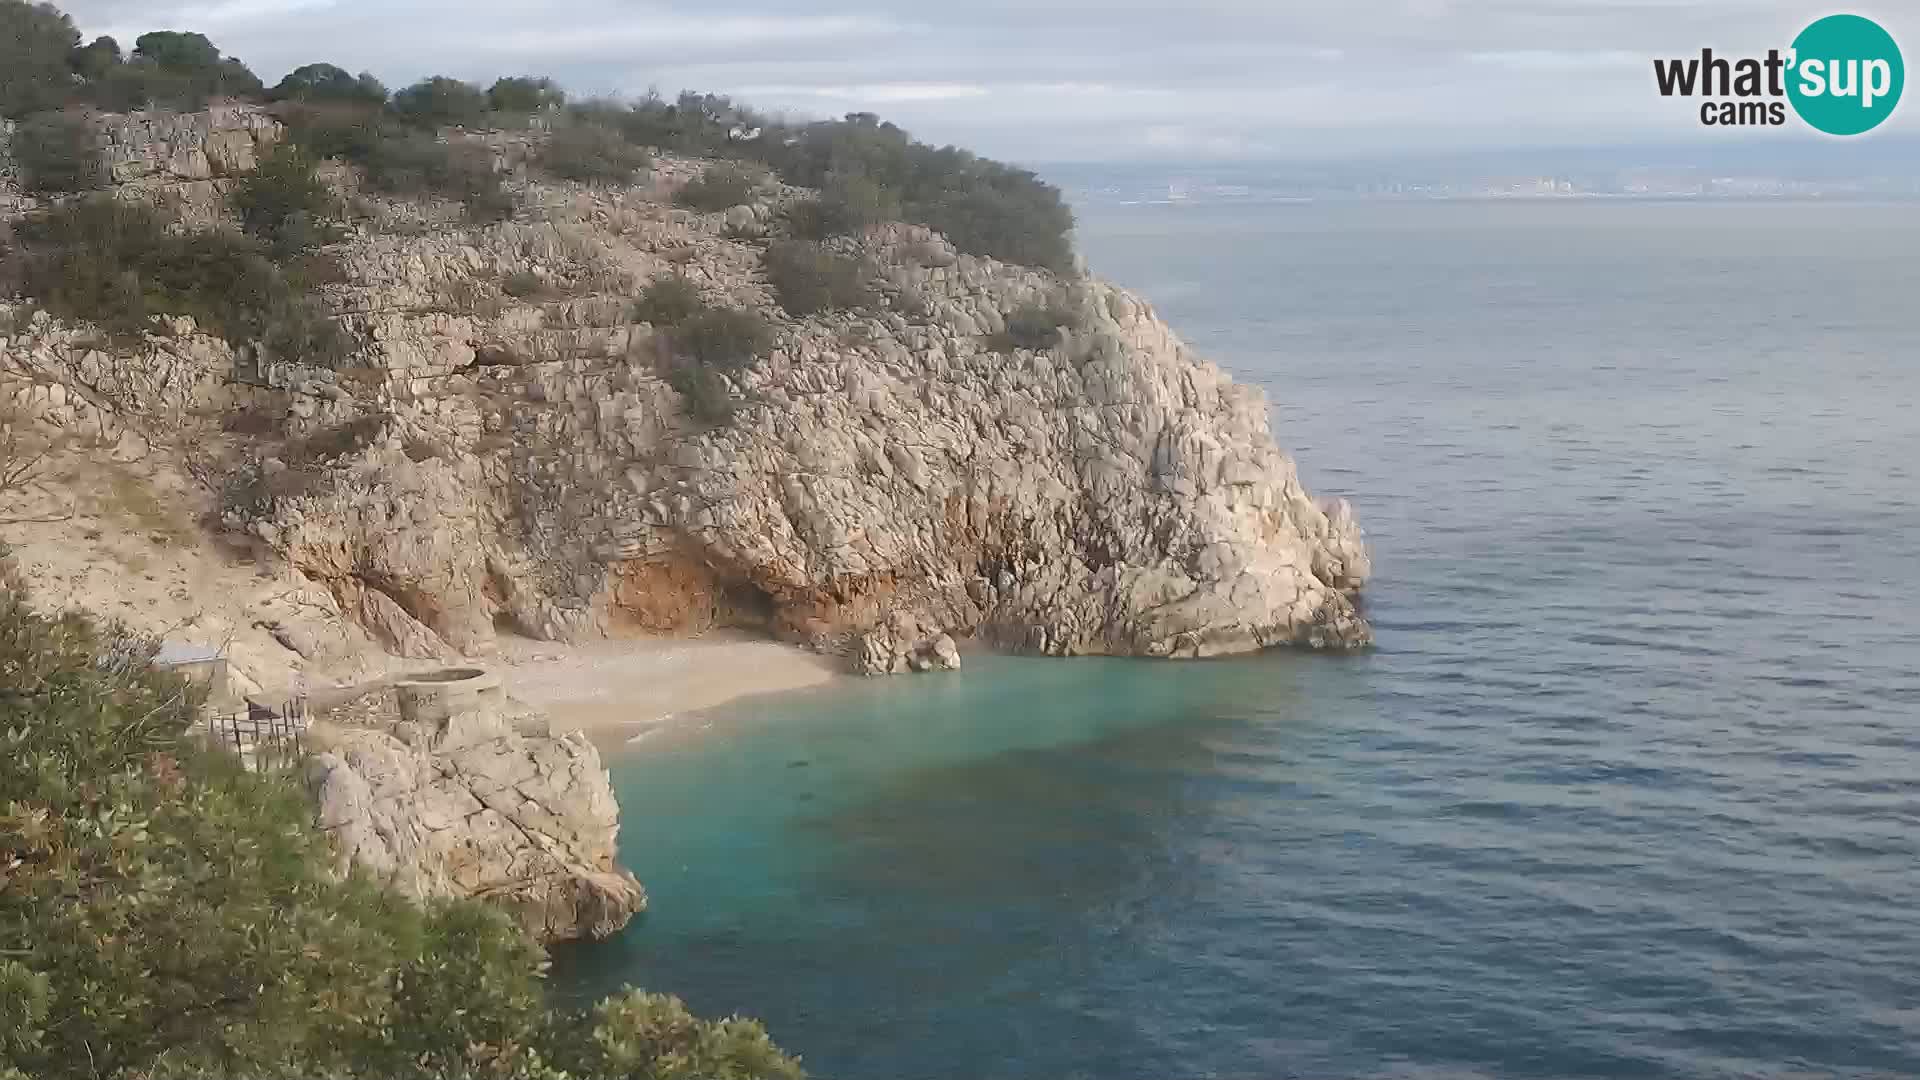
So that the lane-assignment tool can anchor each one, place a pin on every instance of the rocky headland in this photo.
(506, 450)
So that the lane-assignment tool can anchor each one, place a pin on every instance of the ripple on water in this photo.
(1630, 787)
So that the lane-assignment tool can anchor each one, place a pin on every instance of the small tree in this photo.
(58, 152)
(525, 95)
(35, 51)
(177, 51)
(97, 59)
(327, 83)
(184, 70)
(441, 102)
(283, 203)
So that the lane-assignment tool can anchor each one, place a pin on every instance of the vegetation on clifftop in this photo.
(868, 170)
(166, 914)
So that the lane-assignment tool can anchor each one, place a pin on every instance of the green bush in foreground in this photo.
(166, 914)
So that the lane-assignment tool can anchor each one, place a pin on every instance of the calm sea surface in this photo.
(1630, 787)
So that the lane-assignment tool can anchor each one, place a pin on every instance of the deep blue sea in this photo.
(1629, 788)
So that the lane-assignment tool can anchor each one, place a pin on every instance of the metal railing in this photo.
(262, 737)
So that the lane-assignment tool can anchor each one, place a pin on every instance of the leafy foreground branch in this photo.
(166, 914)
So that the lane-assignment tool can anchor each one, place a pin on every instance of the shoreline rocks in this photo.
(464, 794)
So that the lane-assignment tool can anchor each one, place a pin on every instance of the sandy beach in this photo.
(620, 691)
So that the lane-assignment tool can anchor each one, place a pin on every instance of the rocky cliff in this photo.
(890, 481)
(457, 792)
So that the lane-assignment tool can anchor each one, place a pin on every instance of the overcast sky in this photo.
(1055, 80)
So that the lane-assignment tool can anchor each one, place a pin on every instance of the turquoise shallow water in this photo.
(1629, 788)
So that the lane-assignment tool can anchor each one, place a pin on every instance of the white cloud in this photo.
(661, 31)
(1167, 138)
(1551, 60)
(875, 93)
(1049, 79)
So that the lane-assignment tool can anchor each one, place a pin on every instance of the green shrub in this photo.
(325, 129)
(178, 71)
(177, 50)
(34, 57)
(168, 913)
(298, 329)
(706, 342)
(724, 338)
(58, 152)
(397, 159)
(142, 861)
(521, 284)
(1025, 224)
(181, 71)
(808, 279)
(119, 264)
(283, 204)
(441, 102)
(635, 1034)
(525, 95)
(1034, 325)
(591, 153)
(846, 205)
(421, 164)
(316, 83)
(708, 395)
(694, 124)
(668, 301)
(721, 187)
(97, 58)
(984, 207)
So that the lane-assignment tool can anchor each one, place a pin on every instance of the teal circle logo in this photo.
(1846, 75)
